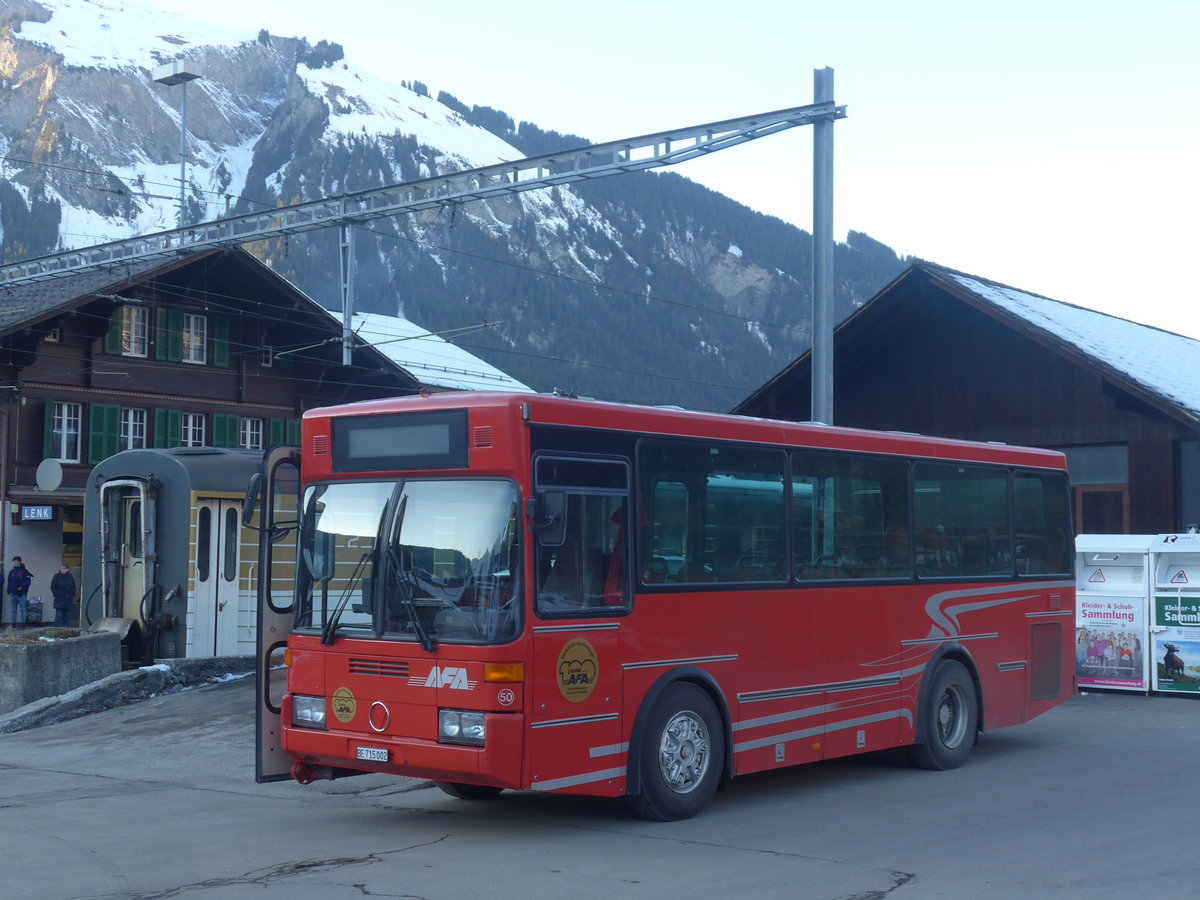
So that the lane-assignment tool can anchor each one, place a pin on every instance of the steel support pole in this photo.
(183, 155)
(346, 229)
(822, 292)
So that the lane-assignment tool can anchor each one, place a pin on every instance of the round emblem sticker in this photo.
(577, 670)
(343, 705)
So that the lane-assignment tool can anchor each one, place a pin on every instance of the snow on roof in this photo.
(429, 358)
(1159, 361)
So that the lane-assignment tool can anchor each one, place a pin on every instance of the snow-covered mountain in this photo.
(643, 287)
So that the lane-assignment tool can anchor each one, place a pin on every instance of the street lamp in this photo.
(180, 72)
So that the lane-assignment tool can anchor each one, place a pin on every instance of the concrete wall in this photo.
(33, 669)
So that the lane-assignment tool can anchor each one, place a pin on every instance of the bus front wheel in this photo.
(681, 755)
(950, 716)
(464, 791)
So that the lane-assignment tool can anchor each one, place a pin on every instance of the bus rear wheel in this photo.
(681, 755)
(464, 791)
(951, 719)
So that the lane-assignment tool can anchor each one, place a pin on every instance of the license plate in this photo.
(371, 754)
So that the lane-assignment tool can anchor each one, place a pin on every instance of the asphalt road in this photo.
(157, 800)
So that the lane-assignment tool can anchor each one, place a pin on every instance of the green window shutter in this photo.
(168, 340)
(160, 337)
(175, 334)
(104, 431)
(226, 430)
(167, 425)
(278, 432)
(293, 432)
(112, 340)
(221, 343)
(48, 449)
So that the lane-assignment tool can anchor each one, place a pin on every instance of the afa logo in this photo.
(452, 677)
(344, 705)
(577, 670)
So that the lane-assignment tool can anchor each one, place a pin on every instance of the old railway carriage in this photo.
(541, 593)
(167, 559)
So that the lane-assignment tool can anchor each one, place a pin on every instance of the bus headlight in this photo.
(456, 726)
(308, 711)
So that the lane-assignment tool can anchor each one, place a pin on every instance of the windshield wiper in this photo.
(329, 632)
(428, 644)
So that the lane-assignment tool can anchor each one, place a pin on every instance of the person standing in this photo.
(19, 578)
(62, 586)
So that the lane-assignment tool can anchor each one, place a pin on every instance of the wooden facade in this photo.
(211, 349)
(927, 355)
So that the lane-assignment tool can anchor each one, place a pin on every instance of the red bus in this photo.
(529, 592)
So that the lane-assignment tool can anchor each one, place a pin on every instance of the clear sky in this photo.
(1051, 145)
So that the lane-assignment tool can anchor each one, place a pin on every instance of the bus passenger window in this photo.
(588, 572)
(850, 517)
(1043, 544)
(713, 513)
(962, 521)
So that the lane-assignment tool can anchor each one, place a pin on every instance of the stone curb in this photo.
(123, 688)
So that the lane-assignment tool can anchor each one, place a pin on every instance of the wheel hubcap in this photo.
(951, 717)
(683, 756)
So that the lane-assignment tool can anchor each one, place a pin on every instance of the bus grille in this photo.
(391, 667)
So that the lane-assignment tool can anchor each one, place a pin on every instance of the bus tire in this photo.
(464, 791)
(681, 755)
(950, 715)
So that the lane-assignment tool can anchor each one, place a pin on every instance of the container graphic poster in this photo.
(1110, 641)
(1177, 643)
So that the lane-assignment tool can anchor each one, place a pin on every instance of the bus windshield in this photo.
(430, 561)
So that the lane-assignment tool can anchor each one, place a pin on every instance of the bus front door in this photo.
(582, 581)
(272, 508)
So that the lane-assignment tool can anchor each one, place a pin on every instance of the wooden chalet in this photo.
(208, 349)
(945, 353)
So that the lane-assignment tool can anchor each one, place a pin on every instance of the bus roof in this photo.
(572, 412)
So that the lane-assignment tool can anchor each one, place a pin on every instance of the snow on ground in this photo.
(117, 34)
(360, 103)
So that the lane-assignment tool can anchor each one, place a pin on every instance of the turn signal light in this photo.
(504, 673)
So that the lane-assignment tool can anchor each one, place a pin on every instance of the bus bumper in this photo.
(496, 763)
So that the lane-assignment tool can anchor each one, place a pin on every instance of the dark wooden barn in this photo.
(945, 353)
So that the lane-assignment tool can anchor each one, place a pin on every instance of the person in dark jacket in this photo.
(62, 586)
(19, 578)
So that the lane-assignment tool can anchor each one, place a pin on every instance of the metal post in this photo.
(182, 155)
(173, 73)
(822, 336)
(346, 230)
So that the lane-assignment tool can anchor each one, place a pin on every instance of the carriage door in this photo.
(217, 593)
(583, 592)
(132, 557)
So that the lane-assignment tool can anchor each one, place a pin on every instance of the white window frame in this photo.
(251, 433)
(135, 331)
(67, 431)
(191, 430)
(133, 428)
(194, 338)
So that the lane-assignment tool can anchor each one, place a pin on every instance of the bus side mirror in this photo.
(251, 503)
(549, 518)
